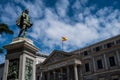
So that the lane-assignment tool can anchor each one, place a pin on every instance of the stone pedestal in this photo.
(20, 60)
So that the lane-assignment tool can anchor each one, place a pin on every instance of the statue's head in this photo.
(26, 11)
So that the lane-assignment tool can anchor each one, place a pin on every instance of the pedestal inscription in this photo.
(28, 69)
(13, 69)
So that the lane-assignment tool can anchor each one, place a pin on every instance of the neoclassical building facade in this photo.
(100, 61)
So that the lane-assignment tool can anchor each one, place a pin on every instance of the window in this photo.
(98, 48)
(85, 53)
(87, 67)
(112, 61)
(118, 41)
(99, 64)
(108, 45)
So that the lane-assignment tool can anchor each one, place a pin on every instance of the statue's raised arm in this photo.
(24, 23)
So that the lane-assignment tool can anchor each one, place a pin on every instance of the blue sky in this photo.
(83, 22)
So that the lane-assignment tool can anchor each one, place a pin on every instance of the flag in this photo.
(64, 38)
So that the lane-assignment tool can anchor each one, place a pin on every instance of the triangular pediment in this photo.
(56, 56)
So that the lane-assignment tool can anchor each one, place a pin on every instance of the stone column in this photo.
(106, 66)
(48, 75)
(41, 76)
(54, 75)
(118, 57)
(61, 73)
(34, 69)
(5, 69)
(68, 71)
(94, 67)
(75, 72)
(21, 66)
(81, 73)
(44, 76)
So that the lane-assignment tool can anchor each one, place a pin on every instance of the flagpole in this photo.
(63, 39)
(62, 45)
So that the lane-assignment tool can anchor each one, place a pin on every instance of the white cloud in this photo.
(62, 6)
(36, 8)
(79, 4)
(48, 31)
(10, 13)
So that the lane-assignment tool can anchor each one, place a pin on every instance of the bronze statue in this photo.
(24, 23)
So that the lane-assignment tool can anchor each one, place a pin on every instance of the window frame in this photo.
(112, 64)
(87, 68)
(99, 67)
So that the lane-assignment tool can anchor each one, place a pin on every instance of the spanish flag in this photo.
(64, 38)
